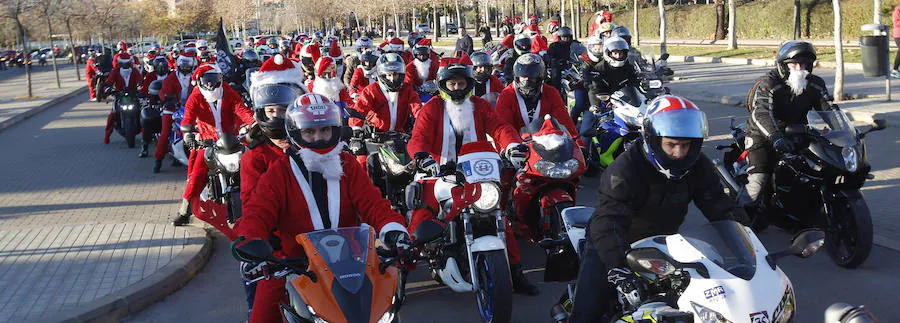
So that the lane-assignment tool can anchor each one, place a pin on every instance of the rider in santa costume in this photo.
(388, 104)
(528, 98)
(423, 68)
(454, 118)
(176, 85)
(314, 186)
(487, 85)
(329, 84)
(212, 107)
(124, 77)
(364, 74)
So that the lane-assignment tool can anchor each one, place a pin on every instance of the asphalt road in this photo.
(215, 294)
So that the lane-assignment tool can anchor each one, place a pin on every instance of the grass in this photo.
(826, 54)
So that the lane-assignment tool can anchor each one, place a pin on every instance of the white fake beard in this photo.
(797, 81)
(126, 75)
(461, 115)
(184, 79)
(329, 87)
(212, 96)
(327, 164)
(422, 68)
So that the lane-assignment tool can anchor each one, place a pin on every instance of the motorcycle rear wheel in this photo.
(494, 290)
(850, 233)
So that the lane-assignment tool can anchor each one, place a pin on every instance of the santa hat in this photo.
(507, 41)
(424, 42)
(205, 68)
(395, 45)
(476, 147)
(550, 136)
(124, 58)
(312, 50)
(277, 70)
(191, 45)
(324, 64)
(463, 59)
(186, 58)
(335, 51)
(202, 43)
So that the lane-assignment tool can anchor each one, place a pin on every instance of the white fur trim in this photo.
(392, 226)
(549, 141)
(293, 76)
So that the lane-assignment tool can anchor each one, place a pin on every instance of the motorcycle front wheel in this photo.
(849, 231)
(494, 290)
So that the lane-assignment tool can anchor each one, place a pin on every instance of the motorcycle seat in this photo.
(578, 216)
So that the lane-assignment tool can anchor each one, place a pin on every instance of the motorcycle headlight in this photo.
(655, 84)
(850, 161)
(127, 107)
(489, 199)
(558, 171)
(231, 163)
(707, 315)
(785, 310)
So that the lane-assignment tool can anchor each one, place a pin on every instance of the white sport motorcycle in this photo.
(715, 272)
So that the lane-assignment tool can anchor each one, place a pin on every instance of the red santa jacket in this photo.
(136, 64)
(412, 76)
(254, 162)
(359, 81)
(551, 103)
(428, 132)
(279, 203)
(407, 57)
(539, 45)
(172, 85)
(233, 113)
(116, 80)
(344, 95)
(91, 69)
(373, 104)
(149, 78)
(492, 89)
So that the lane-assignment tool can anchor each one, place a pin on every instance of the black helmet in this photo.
(422, 53)
(391, 63)
(249, 56)
(622, 32)
(522, 44)
(154, 88)
(531, 66)
(160, 66)
(455, 68)
(481, 59)
(565, 32)
(272, 43)
(795, 52)
(413, 39)
(369, 61)
(204, 56)
(268, 95)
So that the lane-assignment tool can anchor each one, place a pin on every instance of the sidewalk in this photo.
(847, 42)
(84, 227)
(14, 107)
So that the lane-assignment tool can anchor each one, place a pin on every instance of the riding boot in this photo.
(176, 163)
(144, 152)
(184, 215)
(157, 166)
(751, 200)
(521, 285)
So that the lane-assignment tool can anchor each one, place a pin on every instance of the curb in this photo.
(31, 112)
(167, 280)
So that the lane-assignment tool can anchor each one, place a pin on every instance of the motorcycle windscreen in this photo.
(344, 250)
(726, 244)
(834, 126)
(550, 139)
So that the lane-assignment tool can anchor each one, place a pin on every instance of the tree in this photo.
(838, 52)
(14, 10)
(796, 19)
(732, 29)
(662, 26)
(48, 8)
(636, 33)
(720, 20)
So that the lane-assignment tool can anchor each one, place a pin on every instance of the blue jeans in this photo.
(594, 297)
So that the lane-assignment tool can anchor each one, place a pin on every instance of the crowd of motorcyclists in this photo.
(301, 115)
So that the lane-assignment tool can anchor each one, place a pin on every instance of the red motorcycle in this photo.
(544, 187)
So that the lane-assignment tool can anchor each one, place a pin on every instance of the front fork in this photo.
(469, 235)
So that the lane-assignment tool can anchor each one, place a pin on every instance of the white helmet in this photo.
(615, 44)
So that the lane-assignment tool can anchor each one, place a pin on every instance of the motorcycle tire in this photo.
(130, 140)
(850, 234)
(494, 293)
(234, 207)
(402, 275)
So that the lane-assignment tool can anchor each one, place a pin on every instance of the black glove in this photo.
(630, 289)
(781, 144)
(426, 163)
(517, 154)
(252, 271)
(359, 133)
(357, 146)
(190, 140)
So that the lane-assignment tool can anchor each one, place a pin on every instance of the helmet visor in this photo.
(680, 123)
(274, 94)
(210, 81)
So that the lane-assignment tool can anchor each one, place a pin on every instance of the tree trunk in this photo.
(572, 12)
(838, 53)
(25, 53)
(720, 20)
(877, 14)
(635, 31)
(72, 45)
(796, 19)
(477, 8)
(52, 52)
(562, 14)
(437, 24)
(458, 18)
(732, 29)
(662, 26)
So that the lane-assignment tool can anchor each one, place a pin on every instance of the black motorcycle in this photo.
(815, 186)
(224, 182)
(390, 166)
(151, 113)
(127, 114)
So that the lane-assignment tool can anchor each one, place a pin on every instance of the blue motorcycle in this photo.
(617, 128)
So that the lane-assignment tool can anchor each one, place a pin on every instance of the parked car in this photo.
(451, 28)
(423, 29)
(236, 43)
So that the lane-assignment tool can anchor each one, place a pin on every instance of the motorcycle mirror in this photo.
(355, 114)
(427, 231)
(879, 124)
(650, 260)
(251, 250)
(664, 56)
(807, 242)
(227, 143)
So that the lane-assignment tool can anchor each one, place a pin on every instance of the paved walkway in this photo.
(728, 84)
(13, 100)
(84, 226)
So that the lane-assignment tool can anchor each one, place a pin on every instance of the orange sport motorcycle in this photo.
(342, 278)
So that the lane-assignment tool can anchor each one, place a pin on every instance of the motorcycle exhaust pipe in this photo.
(724, 174)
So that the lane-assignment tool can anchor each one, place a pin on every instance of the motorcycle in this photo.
(151, 113)
(342, 278)
(544, 187)
(715, 272)
(616, 129)
(389, 166)
(427, 90)
(176, 139)
(827, 172)
(469, 254)
(655, 69)
(127, 113)
(223, 186)
(571, 77)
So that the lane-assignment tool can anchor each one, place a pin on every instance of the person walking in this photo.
(464, 42)
(895, 18)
